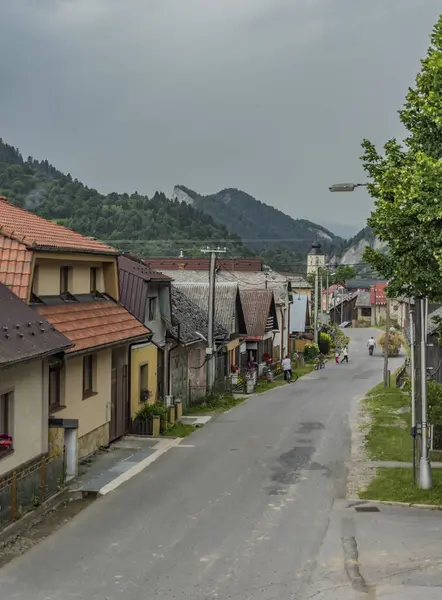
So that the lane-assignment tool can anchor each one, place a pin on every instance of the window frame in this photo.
(152, 308)
(366, 312)
(93, 280)
(54, 370)
(89, 374)
(141, 384)
(6, 415)
(64, 274)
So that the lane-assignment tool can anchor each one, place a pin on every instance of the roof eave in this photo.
(59, 249)
(40, 356)
(130, 340)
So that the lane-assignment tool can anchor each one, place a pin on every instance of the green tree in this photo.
(342, 274)
(406, 184)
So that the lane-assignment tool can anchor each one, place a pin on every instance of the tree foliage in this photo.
(406, 184)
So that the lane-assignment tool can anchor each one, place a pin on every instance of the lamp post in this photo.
(346, 187)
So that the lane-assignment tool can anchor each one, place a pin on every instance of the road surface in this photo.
(240, 510)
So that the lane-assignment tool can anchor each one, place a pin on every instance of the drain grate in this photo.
(367, 509)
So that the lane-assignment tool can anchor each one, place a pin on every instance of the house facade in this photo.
(229, 313)
(261, 322)
(188, 358)
(248, 274)
(146, 294)
(72, 282)
(29, 346)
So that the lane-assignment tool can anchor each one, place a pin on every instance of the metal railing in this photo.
(27, 487)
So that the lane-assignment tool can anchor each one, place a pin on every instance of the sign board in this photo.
(243, 348)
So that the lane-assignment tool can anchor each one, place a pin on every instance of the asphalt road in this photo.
(240, 510)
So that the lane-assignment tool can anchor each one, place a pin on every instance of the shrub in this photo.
(364, 322)
(325, 342)
(311, 351)
(434, 403)
(148, 411)
(395, 342)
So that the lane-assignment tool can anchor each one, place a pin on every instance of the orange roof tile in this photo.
(34, 231)
(15, 266)
(92, 324)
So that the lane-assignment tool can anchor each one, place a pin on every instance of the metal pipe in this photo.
(387, 342)
(315, 314)
(425, 478)
(413, 393)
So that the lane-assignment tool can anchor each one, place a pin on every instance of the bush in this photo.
(148, 411)
(395, 342)
(364, 322)
(311, 351)
(435, 403)
(325, 342)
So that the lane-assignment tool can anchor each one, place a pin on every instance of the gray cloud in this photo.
(271, 96)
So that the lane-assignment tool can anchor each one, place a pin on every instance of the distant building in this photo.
(315, 258)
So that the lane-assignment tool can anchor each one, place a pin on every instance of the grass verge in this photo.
(179, 430)
(388, 434)
(213, 404)
(396, 485)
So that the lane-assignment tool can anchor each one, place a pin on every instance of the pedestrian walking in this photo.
(337, 356)
(345, 355)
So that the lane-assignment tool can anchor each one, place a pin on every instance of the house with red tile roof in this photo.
(29, 347)
(72, 282)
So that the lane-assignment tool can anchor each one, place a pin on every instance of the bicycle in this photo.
(291, 378)
(319, 365)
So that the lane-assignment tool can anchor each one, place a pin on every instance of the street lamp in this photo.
(346, 187)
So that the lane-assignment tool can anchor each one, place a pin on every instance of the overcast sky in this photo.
(269, 96)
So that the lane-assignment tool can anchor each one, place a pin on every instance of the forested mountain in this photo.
(154, 226)
(160, 226)
(260, 225)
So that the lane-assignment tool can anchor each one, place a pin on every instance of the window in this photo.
(366, 312)
(54, 387)
(144, 383)
(64, 280)
(89, 368)
(152, 308)
(94, 277)
(5, 423)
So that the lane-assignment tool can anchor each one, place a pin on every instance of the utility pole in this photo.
(413, 392)
(387, 340)
(327, 298)
(315, 317)
(320, 297)
(425, 478)
(211, 349)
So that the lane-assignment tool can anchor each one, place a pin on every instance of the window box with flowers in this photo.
(5, 444)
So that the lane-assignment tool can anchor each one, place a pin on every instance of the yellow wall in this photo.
(93, 412)
(49, 264)
(28, 383)
(142, 354)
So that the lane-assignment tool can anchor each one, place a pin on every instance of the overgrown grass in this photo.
(388, 435)
(214, 403)
(179, 430)
(305, 370)
(396, 485)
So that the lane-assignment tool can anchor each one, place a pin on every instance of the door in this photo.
(118, 420)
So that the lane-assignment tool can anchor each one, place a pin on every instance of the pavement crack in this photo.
(352, 566)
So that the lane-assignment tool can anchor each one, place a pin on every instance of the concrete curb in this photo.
(136, 469)
(361, 501)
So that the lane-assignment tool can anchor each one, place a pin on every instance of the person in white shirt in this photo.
(371, 342)
(345, 354)
(287, 368)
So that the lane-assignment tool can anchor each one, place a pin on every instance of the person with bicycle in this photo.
(321, 360)
(287, 368)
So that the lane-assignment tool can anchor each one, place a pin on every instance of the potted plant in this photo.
(145, 394)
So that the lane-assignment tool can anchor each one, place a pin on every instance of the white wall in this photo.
(28, 382)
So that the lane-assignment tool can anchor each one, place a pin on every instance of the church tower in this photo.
(315, 258)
